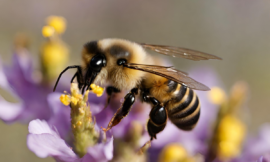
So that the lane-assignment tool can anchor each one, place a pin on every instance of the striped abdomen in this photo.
(184, 107)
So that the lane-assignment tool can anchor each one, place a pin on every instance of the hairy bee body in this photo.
(181, 102)
(122, 65)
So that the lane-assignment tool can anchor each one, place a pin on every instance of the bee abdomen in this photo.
(185, 109)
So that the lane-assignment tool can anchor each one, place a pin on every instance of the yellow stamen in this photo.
(217, 95)
(58, 23)
(173, 152)
(231, 134)
(74, 100)
(65, 99)
(81, 110)
(47, 31)
(79, 123)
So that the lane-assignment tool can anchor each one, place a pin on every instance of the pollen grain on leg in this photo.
(97, 90)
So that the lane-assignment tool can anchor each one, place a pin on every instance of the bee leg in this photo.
(78, 75)
(80, 78)
(60, 75)
(157, 121)
(75, 75)
(110, 90)
(124, 109)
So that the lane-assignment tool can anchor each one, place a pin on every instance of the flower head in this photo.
(54, 52)
(25, 84)
(58, 23)
(45, 141)
(229, 131)
(88, 142)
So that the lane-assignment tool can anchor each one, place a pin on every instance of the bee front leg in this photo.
(79, 77)
(110, 90)
(124, 109)
(157, 121)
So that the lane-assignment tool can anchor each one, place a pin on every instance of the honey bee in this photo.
(125, 65)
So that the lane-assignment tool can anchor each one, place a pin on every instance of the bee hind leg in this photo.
(124, 109)
(156, 123)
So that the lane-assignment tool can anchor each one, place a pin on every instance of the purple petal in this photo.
(265, 158)
(44, 142)
(18, 81)
(102, 152)
(9, 111)
(40, 127)
(60, 116)
(255, 147)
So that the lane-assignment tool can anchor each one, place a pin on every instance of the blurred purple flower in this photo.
(17, 80)
(255, 147)
(45, 141)
(265, 158)
(32, 94)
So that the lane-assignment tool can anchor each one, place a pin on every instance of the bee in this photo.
(126, 66)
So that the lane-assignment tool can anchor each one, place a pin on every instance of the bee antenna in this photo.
(69, 67)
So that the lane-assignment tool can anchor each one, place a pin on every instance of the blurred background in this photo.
(235, 30)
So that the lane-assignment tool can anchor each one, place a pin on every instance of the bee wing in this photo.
(170, 73)
(180, 52)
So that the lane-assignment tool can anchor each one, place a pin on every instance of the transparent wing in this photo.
(170, 73)
(180, 52)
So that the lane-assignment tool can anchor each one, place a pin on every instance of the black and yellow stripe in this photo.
(184, 107)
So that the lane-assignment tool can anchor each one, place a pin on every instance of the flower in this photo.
(54, 52)
(89, 142)
(256, 148)
(229, 131)
(25, 85)
(45, 141)
(18, 81)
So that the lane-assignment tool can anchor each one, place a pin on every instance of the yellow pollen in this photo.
(65, 99)
(89, 119)
(97, 90)
(81, 110)
(217, 95)
(74, 100)
(58, 23)
(231, 135)
(173, 152)
(79, 123)
(47, 31)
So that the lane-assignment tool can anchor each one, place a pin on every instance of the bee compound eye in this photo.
(97, 62)
(121, 61)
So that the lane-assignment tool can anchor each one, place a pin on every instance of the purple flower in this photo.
(60, 117)
(18, 80)
(44, 141)
(255, 147)
(265, 158)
